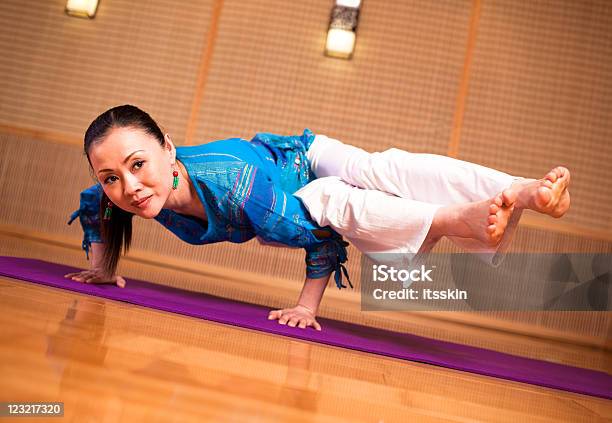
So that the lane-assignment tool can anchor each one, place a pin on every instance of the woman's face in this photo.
(132, 166)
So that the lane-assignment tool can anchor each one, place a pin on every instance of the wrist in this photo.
(309, 309)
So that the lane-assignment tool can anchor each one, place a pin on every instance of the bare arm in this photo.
(312, 292)
(96, 253)
(95, 274)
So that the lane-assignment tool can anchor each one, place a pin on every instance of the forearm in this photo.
(312, 292)
(96, 254)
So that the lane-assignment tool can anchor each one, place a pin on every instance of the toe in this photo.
(493, 208)
(492, 219)
(509, 197)
(565, 175)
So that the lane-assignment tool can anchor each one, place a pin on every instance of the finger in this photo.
(120, 282)
(103, 280)
(80, 276)
(275, 314)
(283, 320)
(303, 323)
(293, 322)
(90, 279)
(316, 325)
(94, 278)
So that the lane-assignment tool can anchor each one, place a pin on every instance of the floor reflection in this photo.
(77, 353)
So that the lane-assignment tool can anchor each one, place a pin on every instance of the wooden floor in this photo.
(110, 361)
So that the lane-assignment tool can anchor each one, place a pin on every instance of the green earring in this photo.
(175, 180)
(108, 211)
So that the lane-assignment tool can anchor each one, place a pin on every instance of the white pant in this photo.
(385, 202)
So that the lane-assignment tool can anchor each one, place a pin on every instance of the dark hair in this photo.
(117, 231)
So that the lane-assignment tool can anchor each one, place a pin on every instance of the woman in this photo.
(234, 190)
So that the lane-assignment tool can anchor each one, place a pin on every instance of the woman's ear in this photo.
(170, 147)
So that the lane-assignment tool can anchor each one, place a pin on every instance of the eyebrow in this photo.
(124, 161)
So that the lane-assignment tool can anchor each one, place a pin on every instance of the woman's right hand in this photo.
(96, 276)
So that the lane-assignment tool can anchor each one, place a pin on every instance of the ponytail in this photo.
(116, 235)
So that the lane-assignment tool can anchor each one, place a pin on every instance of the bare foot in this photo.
(548, 195)
(484, 221)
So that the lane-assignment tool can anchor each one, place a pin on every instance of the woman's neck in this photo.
(184, 199)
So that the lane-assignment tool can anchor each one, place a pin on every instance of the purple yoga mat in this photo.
(340, 334)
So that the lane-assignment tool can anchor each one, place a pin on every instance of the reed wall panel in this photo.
(541, 95)
(59, 72)
(269, 73)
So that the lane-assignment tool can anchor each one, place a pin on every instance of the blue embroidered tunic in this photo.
(246, 189)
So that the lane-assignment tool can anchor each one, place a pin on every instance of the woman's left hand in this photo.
(299, 316)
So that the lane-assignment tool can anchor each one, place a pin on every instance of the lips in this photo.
(141, 201)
